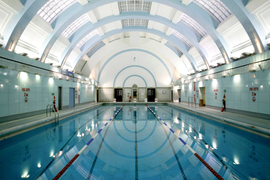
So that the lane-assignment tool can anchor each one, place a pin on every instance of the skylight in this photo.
(216, 8)
(194, 25)
(86, 38)
(75, 25)
(54, 8)
(181, 37)
(134, 5)
(134, 22)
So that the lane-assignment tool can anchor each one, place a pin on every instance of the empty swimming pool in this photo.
(135, 142)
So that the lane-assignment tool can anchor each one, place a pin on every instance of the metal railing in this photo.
(50, 109)
(191, 102)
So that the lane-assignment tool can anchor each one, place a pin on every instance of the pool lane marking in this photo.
(175, 154)
(194, 152)
(95, 160)
(136, 150)
(84, 147)
(67, 143)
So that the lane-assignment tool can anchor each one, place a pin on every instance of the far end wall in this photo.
(163, 94)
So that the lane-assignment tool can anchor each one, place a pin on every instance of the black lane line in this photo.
(94, 162)
(67, 143)
(136, 149)
(178, 162)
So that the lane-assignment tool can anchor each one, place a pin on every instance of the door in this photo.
(134, 93)
(151, 95)
(118, 95)
(59, 98)
(179, 94)
(202, 96)
(97, 95)
(172, 95)
(71, 97)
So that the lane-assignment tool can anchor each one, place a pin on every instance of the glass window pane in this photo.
(54, 8)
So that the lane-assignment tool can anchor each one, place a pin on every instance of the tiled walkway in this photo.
(257, 124)
(22, 124)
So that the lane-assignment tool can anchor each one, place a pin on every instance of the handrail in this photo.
(56, 117)
(49, 108)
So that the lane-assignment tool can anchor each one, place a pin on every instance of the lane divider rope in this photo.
(194, 153)
(84, 147)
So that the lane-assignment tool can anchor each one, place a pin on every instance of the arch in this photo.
(19, 23)
(179, 44)
(193, 10)
(180, 27)
(22, 19)
(134, 75)
(140, 50)
(131, 67)
(250, 24)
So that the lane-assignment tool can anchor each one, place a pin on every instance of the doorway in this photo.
(97, 96)
(151, 95)
(118, 95)
(71, 97)
(60, 98)
(179, 94)
(134, 91)
(202, 96)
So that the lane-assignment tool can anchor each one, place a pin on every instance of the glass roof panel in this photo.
(216, 8)
(75, 25)
(194, 25)
(183, 38)
(86, 38)
(54, 8)
(134, 5)
(134, 22)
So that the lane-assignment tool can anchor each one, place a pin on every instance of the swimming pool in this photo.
(138, 143)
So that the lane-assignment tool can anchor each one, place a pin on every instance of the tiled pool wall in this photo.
(246, 92)
(22, 92)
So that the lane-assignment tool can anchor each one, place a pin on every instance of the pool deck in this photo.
(14, 127)
(256, 125)
(259, 125)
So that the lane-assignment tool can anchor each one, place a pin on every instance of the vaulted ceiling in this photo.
(199, 33)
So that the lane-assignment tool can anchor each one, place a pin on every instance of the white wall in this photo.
(238, 93)
(39, 94)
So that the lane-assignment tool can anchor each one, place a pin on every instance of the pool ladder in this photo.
(49, 109)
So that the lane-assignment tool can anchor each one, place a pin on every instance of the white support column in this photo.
(83, 2)
(92, 17)
(150, 24)
(177, 17)
(100, 31)
(154, 8)
(169, 31)
(115, 8)
(118, 24)
(163, 41)
(186, 2)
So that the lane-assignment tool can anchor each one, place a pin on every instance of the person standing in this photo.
(224, 103)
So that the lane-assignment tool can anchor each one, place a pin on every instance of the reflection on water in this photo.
(135, 146)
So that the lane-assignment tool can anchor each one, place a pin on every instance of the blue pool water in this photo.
(135, 145)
